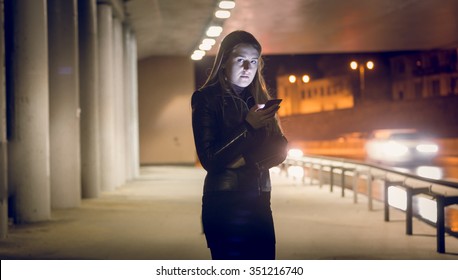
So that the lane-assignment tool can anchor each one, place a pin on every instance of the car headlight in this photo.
(427, 148)
(295, 153)
(394, 149)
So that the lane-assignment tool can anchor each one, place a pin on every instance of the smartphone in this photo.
(271, 102)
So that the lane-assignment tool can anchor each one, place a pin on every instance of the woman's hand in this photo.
(258, 118)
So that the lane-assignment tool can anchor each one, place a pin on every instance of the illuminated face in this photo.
(242, 65)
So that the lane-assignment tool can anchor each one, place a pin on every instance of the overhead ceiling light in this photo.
(207, 44)
(222, 14)
(196, 57)
(199, 52)
(209, 41)
(214, 31)
(205, 47)
(227, 4)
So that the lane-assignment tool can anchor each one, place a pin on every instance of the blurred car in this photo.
(400, 147)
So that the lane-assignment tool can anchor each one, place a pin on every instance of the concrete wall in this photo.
(165, 88)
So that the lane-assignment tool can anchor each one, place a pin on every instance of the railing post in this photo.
(303, 169)
(355, 186)
(440, 224)
(343, 182)
(331, 178)
(369, 190)
(385, 201)
(409, 211)
(321, 176)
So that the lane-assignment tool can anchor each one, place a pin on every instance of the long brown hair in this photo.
(257, 87)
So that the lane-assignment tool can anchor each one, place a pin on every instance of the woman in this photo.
(237, 142)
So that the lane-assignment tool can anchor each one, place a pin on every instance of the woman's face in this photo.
(242, 65)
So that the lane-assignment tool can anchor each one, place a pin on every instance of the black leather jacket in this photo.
(222, 135)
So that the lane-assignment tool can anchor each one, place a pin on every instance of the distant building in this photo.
(405, 90)
(314, 96)
(424, 75)
(407, 76)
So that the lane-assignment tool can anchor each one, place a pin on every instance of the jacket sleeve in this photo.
(271, 152)
(215, 153)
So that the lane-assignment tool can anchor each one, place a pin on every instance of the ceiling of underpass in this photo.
(175, 27)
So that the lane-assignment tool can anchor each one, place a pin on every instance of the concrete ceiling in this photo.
(175, 27)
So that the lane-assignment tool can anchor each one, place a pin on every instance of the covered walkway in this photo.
(157, 217)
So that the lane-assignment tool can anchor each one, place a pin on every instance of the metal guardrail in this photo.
(444, 192)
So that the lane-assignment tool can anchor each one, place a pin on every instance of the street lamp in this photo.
(355, 65)
(292, 79)
(305, 79)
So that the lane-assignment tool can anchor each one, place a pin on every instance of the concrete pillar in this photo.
(3, 139)
(64, 108)
(135, 109)
(89, 100)
(106, 97)
(119, 116)
(131, 97)
(127, 100)
(28, 149)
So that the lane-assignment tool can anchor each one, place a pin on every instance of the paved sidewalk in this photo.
(157, 217)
